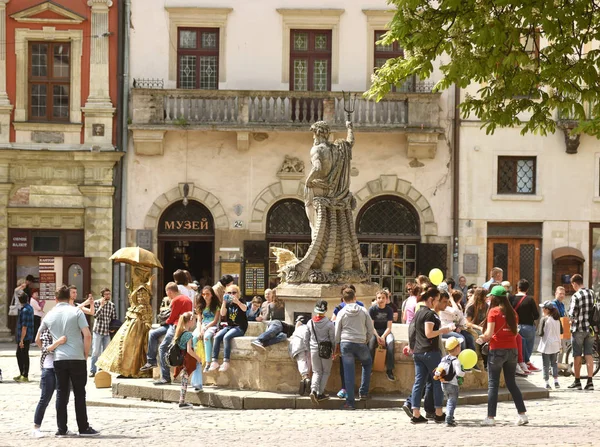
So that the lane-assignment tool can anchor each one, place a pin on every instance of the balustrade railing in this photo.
(280, 108)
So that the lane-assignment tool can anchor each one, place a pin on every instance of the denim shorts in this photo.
(582, 341)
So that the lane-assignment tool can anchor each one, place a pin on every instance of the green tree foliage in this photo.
(531, 56)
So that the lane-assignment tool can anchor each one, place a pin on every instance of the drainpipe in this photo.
(120, 213)
(455, 180)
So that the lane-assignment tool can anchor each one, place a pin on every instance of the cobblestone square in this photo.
(567, 418)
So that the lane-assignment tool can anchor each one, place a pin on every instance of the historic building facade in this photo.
(58, 93)
(529, 204)
(222, 101)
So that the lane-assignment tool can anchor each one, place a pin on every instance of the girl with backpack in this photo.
(549, 331)
(185, 341)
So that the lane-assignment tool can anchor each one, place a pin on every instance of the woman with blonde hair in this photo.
(185, 340)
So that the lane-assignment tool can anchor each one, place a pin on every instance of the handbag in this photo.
(379, 360)
(13, 309)
(325, 347)
(163, 316)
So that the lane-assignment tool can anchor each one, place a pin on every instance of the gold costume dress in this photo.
(126, 353)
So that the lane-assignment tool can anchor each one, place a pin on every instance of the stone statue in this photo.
(126, 353)
(334, 254)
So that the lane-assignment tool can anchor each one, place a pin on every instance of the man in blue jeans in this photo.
(179, 305)
(353, 329)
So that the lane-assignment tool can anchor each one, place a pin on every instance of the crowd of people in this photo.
(444, 319)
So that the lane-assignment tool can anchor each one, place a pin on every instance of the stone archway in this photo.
(392, 185)
(176, 194)
(283, 189)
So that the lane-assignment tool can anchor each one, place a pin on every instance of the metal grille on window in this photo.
(527, 264)
(391, 265)
(389, 217)
(320, 76)
(432, 256)
(321, 42)
(516, 175)
(208, 72)
(525, 176)
(209, 40)
(301, 41)
(288, 217)
(187, 39)
(187, 71)
(300, 75)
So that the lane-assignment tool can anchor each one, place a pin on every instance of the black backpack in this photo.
(451, 373)
(175, 355)
(595, 315)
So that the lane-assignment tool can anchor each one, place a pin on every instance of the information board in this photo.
(254, 279)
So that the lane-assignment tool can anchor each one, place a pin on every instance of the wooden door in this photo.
(78, 271)
(519, 259)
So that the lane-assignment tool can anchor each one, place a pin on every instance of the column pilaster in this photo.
(5, 297)
(98, 108)
(5, 106)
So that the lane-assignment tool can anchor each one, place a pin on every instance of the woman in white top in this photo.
(181, 277)
(38, 310)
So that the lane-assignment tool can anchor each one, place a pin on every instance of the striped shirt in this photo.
(579, 312)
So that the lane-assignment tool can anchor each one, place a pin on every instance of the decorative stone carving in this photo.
(334, 254)
(571, 139)
(292, 164)
(48, 137)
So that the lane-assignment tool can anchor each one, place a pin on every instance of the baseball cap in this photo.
(548, 305)
(321, 307)
(451, 343)
(497, 291)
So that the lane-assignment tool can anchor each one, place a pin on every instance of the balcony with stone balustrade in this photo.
(157, 111)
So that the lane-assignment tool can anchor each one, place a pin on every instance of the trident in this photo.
(349, 102)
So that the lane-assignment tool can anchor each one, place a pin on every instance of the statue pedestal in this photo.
(301, 298)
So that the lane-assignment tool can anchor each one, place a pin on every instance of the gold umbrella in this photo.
(136, 256)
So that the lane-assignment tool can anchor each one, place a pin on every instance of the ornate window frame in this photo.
(47, 33)
(311, 19)
(191, 17)
(377, 20)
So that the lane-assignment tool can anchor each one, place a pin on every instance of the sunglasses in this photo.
(233, 292)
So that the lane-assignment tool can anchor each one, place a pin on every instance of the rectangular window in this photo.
(49, 81)
(516, 175)
(383, 53)
(310, 60)
(198, 58)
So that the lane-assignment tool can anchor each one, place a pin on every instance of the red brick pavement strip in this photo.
(567, 418)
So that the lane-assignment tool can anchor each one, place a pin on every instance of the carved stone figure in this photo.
(292, 165)
(126, 353)
(334, 254)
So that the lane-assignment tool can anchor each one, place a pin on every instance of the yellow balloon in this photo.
(436, 276)
(467, 358)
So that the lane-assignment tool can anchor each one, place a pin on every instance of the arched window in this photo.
(287, 227)
(388, 231)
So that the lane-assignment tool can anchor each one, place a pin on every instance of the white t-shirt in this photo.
(187, 292)
(49, 360)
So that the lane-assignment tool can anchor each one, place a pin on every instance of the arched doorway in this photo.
(388, 232)
(287, 227)
(186, 235)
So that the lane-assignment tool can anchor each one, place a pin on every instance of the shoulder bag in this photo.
(325, 347)
(13, 309)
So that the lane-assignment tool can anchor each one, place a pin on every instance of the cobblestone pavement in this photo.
(567, 418)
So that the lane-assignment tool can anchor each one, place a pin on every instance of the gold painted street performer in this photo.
(126, 353)
(334, 254)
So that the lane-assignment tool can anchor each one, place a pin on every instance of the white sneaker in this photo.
(224, 367)
(488, 421)
(524, 368)
(520, 372)
(213, 366)
(522, 420)
(36, 433)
